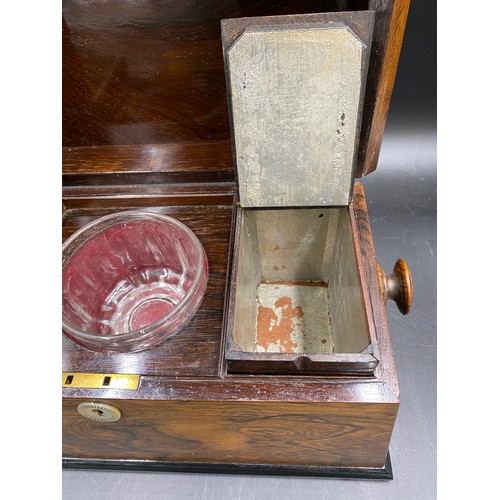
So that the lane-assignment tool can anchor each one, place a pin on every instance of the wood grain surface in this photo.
(138, 74)
(246, 432)
(376, 312)
(398, 286)
(150, 72)
(186, 162)
(390, 22)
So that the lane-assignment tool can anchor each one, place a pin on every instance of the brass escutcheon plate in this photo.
(100, 380)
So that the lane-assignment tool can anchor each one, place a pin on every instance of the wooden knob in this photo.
(397, 286)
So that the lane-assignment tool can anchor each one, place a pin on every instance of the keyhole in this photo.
(99, 413)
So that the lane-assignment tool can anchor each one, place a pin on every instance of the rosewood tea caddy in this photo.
(248, 123)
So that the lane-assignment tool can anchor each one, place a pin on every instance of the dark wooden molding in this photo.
(384, 472)
(362, 365)
(186, 162)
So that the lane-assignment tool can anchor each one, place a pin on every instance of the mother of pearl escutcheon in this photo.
(101, 412)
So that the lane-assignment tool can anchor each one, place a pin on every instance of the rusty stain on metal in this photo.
(279, 267)
(273, 331)
(293, 317)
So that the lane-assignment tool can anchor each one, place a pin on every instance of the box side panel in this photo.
(375, 306)
(293, 242)
(256, 432)
(249, 275)
(350, 328)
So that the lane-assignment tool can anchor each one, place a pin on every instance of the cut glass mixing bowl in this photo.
(130, 280)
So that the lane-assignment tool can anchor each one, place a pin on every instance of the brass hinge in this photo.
(100, 380)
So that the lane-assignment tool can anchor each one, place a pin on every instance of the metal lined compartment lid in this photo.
(295, 96)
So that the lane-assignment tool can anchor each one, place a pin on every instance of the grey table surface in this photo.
(401, 198)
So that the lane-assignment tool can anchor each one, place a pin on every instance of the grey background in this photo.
(402, 205)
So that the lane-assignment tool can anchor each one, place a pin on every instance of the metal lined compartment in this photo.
(296, 97)
(297, 284)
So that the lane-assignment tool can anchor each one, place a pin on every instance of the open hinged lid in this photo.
(144, 95)
(295, 93)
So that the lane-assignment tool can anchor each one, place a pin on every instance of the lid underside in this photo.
(296, 95)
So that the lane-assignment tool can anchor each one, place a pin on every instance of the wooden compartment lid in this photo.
(295, 94)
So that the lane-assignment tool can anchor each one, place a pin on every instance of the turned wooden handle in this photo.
(397, 286)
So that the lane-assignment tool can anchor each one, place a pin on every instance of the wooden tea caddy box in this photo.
(287, 367)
